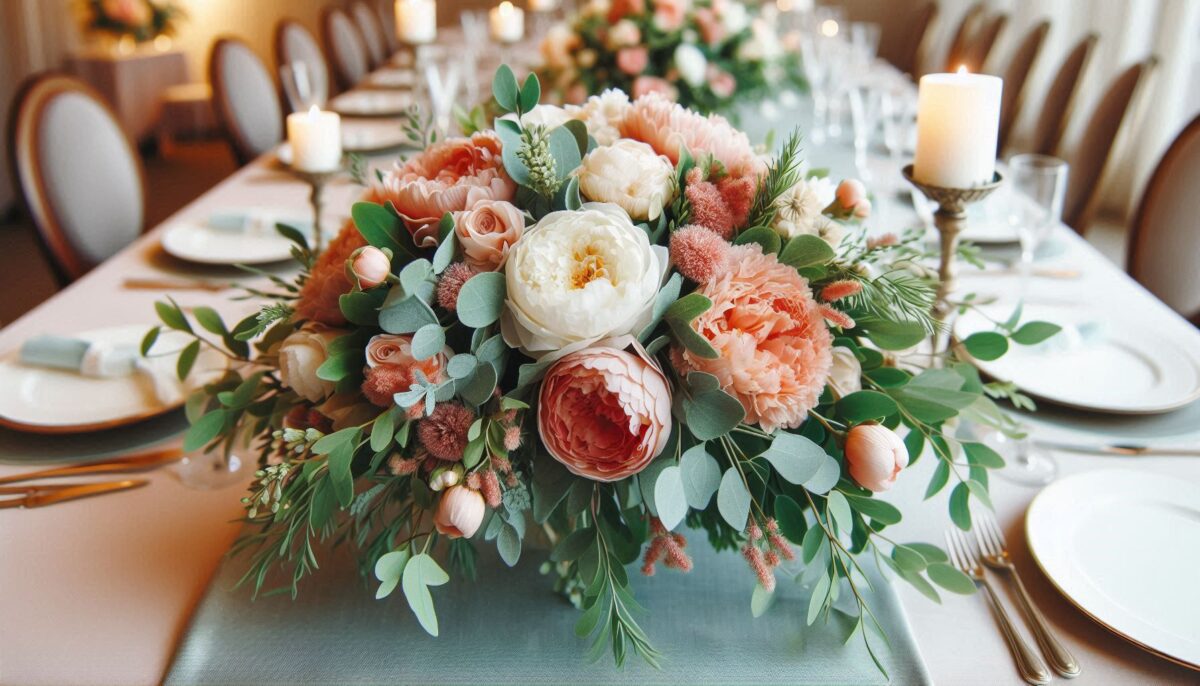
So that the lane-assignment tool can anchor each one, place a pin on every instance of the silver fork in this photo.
(995, 555)
(1031, 667)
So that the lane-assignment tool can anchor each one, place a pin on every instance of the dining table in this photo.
(102, 590)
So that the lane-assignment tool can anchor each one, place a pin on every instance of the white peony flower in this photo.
(549, 116)
(691, 63)
(763, 44)
(602, 114)
(299, 356)
(734, 17)
(799, 211)
(577, 277)
(629, 174)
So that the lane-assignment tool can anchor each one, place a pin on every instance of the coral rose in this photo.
(623, 8)
(605, 412)
(775, 350)
(669, 14)
(875, 455)
(370, 266)
(449, 176)
(487, 231)
(667, 127)
(629, 174)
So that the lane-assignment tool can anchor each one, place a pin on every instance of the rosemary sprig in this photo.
(782, 174)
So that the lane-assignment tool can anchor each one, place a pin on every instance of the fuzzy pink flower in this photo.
(399, 465)
(667, 127)
(709, 208)
(644, 85)
(603, 412)
(698, 253)
(633, 60)
(838, 290)
(451, 283)
(738, 193)
(448, 176)
(775, 350)
(754, 556)
(491, 489)
(444, 433)
(837, 317)
(512, 439)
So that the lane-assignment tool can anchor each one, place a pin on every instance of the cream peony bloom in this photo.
(630, 174)
(577, 277)
(799, 211)
(299, 356)
(691, 63)
(602, 114)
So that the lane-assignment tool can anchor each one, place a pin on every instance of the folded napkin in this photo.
(98, 359)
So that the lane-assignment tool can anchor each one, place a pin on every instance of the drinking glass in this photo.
(442, 80)
(865, 107)
(1025, 462)
(864, 43)
(299, 87)
(208, 470)
(1037, 187)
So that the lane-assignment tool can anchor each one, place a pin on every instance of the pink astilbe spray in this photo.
(402, 466)
(512, 438)
(709, 208)
(738, 195)
(667, 547)
(451, 283)
(698, 253)
(491, 489)
(444, 433)
(766, 578)
(778, 542)
(840, 289)
(474, 481)
(837, 317)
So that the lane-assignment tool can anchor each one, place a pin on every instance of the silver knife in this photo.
(1120, 449)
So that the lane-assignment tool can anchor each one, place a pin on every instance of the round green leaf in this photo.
(866, 405)
(733, 500)
(481, 299)
(669, 497)
(986, 345)
(428, 341)
(700, 475)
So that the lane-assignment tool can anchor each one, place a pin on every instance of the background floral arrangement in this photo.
(528, 332)
(142, 19)
(700, 53)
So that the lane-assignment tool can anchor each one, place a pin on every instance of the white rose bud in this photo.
(845, 377)
(300, 354)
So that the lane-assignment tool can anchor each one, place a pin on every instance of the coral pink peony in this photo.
(449, 176)
(327, 283)
(875, 456)
(698, 253)
(633, 61)
(604, 412)
(451, 283)
(644, 85)
(486, 231)
(667, 127)
(444, 433)
(391, 368)
(775, 351)
(460, 512)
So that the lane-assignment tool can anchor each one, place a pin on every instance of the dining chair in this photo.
(245, 99)
(1092, 152)
(368, 25)
(1060, 97)
(904, 34)
(295, 43)
(77, 171)
(387, 21)
(345, 46)
(963, 36)
(979, 48)
(1164, 239)
(1016, 75)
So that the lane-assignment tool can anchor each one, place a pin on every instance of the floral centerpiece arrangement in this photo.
(703, 54)
(142, 20)
(602, 333)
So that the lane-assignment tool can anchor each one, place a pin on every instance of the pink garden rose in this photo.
(392, 369)
(721, 82)
(667, 127)
(712, 31)
(669, 14)
(486, 231)
(605, 412)
(133, 13)
(644, 85)
(875, 455)
(620, 9)
(775, 351)
(633, 61)
(449, 176)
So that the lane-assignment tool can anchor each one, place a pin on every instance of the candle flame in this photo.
(506, 7)
(313, 112)
(829, 28)
(962, 69)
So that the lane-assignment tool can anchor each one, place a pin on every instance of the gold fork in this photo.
(1030, 666)
(995, 555)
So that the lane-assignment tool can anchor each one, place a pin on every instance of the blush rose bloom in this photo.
(875, 455)
(300, 354)
(644, 85)
(605, 412)
(487, 232)
(449, 176)
(629, 174)
(577, 277)
(669, 14)
(396, 350)
(633, 61)
(624, 34)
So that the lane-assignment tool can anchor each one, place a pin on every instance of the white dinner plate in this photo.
(390, 77)
(371, 103)
(1093, 364)
(1124, 547)
(260, 243)
(44, 400)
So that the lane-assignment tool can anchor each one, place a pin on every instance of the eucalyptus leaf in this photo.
(428, 341)
(760, 601)
(712, 414)
(204, 430)
(701, 476)
(765, 237)
(388, 569)
(862, 406)
(986, 345)
(505, 89)
(826, 477)
(669, 497)
(481, 299)
(1032, 333)
(508, 543)
(733, 500)
(796, 458)
(421, 572)
(839, 511)
(806, 250)
(406, 316)
(950, 579)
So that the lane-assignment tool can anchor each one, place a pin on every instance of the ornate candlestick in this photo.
(316, 181)
(950, 219)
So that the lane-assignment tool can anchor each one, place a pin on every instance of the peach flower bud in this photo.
(368, 267)
(460, 512)
(863, 209)
(875, 455)
(850, 193)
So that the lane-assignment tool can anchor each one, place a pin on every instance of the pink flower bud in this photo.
(875, 455)
(460, 512)
(370, 266)
(850, 193)
(863, 209)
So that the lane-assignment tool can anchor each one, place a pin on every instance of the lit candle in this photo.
(507, 22)
(958, 121)
(416, 21)
(316, 140)
(542, 5)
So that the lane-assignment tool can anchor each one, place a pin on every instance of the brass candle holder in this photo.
(316, 180)
(950, 219)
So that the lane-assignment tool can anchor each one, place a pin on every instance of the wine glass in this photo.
(1025, 462)
(212, 469)
(865, 107)
(298, 86)
(1037, 188)
(442, 76)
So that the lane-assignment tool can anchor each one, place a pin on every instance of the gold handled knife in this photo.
(136, 463)
(41, 496)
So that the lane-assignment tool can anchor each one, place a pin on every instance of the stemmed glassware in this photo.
(1037, 189)
(442, 81)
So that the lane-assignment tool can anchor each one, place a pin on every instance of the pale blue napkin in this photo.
(76, 355)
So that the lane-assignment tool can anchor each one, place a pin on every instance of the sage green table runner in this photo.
(509, 627)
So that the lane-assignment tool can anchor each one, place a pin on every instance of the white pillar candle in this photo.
(958, 121)
(507, 22)
(416, 21)
(316, 140)
(543, 5)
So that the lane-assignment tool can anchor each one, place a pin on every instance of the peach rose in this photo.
(369, 266)
(449, 176)
(393, 350)
(605, 412)
(300, 355)
(460, 512)
(721, 82)
(644, 85)
(669, 14)
(852, 196)
(487, 231)
(875, 455)
(319, 297)
(633, 61)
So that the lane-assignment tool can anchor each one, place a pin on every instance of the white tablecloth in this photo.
(98, 591)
